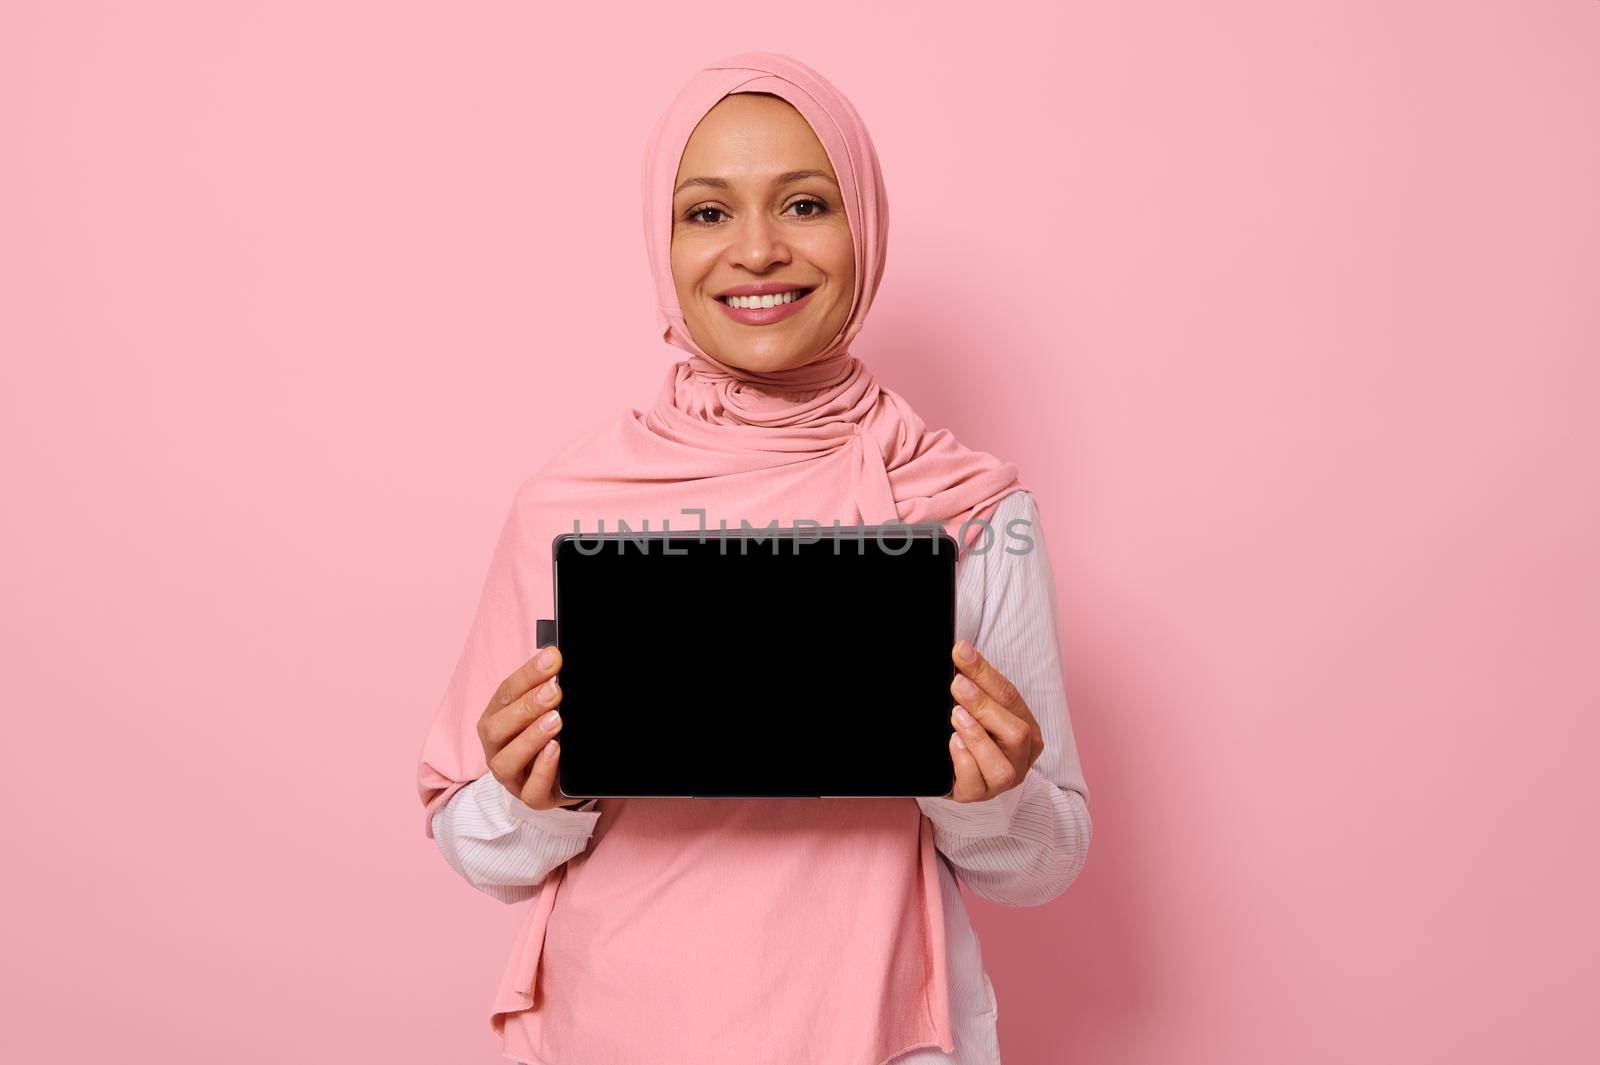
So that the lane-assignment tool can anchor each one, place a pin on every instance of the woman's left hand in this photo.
(996, 739)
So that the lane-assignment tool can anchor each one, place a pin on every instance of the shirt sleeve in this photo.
(504, 847)
(1026, 845)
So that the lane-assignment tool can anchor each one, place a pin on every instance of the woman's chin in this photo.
(766, 357)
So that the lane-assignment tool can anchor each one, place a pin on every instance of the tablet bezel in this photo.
(947, 547)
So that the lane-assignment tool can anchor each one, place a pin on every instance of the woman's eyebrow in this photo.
(782, 179)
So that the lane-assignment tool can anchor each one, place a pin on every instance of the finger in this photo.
(983, 673)
(969, 781)
(542, 791)
(539, 791)
(1012, 732)
(504, 724)
(998, 771)
(512, 760)
(1036, 747)
(535, 671)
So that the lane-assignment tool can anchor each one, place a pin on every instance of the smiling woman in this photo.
(780, 931)
(762, 256)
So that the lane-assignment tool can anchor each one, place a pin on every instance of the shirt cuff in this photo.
(976, 820)
(556, 821)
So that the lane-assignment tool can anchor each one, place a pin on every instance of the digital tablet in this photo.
(809, 661)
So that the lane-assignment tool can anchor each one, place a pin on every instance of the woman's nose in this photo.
(758, 244)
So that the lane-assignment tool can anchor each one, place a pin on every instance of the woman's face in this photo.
(757, 205)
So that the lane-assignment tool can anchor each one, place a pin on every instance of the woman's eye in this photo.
(694, 215)
(817, 207)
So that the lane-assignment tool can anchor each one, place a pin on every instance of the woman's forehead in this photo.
(751, 136)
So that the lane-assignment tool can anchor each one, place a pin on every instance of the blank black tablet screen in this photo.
(757, 666)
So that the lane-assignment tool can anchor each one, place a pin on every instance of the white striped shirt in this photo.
(1021, 848)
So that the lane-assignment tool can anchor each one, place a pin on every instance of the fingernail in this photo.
(547, 658)
(964, 651)
(547, 693)
(549, 751)
(959, 742)
(965, 688)
(964, 719)
(551, 721)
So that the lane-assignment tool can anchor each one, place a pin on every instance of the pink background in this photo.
(1288, 312)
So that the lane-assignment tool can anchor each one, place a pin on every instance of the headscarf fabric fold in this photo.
(720, 932)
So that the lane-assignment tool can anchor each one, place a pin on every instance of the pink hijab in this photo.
(721, 932)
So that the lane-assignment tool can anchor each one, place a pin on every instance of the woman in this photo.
(783, 931)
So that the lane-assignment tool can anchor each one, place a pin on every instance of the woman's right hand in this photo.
(518, 730)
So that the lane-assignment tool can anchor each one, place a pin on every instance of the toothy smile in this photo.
(760, 302)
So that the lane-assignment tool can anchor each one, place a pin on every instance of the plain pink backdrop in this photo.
(1286, 310)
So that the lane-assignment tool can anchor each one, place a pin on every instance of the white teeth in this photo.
(754, 302)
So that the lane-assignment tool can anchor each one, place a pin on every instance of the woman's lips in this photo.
(764, 315)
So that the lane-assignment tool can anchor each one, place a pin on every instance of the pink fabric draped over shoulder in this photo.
(725, 932)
